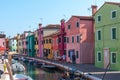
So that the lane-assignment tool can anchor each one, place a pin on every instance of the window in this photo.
(113, 33)
(50, 41)
(3, 43)
(48, 51)
(113, 58)
(76, 54)
(77, 38)
(46, 40)
(64, 52)
(98, 35)
(68, 53)
(99, 56)
(27, 42)
(113, 14)
(68, 26)
(98, 18)
(64, 39)
(77, 24)
(67, 39)
(41, 31)
(72, 39)
(59, 39)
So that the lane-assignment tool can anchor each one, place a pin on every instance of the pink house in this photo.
(80, 39)
(24, 42)
(40, 41)
(2, 43)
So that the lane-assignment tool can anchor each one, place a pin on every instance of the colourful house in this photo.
(19, 44)
(24, 41)
(45, 31)
(7, 44)
(55, 48)
(2, 43)
(36, 43)
(80, 39)
(13, 44)
(30, 45)
(107, 39)
(48, 47)
(40, 41)
(62, 40)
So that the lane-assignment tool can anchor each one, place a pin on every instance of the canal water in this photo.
(37, 73)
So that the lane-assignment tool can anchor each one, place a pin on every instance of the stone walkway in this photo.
(90, 69)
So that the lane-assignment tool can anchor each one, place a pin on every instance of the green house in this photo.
(107, 36)
(30, 45)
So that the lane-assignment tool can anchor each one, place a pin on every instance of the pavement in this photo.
(90, 69)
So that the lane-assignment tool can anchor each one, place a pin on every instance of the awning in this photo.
(2, 48)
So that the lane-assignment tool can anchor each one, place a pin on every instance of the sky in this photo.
(17, 16)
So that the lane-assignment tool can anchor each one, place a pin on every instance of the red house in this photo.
(59, 42)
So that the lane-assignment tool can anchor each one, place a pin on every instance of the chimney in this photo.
(62, 28)
(62, 23)
(94, 9)
(40, 26)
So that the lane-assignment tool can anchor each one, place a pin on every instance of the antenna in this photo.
(64, 16)
(89, 10)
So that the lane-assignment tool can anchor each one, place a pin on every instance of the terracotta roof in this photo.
(52, 26)
(84, 17)
(50, 35)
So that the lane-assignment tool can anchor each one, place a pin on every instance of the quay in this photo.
(87, 70)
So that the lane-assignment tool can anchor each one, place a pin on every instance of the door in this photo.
(106, 57)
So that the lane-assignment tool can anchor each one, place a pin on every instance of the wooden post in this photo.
(9, 70)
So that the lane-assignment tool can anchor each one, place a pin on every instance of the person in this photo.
(73, 59)
(2, 58)
(6, 54)
(64, 57)
(4, 67)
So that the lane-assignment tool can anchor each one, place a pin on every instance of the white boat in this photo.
(14, 61)
(21, 77)
(18, 67)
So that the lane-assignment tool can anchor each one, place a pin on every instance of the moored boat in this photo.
(21, 77)
(17, 67)
(48, 66)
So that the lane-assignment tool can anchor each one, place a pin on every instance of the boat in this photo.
(25, 60)
(39, 64)
(48, 66)
(18, 67)
(14, 61)
(21, 77)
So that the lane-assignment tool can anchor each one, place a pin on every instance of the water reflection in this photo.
(40, 73)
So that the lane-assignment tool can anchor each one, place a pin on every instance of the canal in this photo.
(38, 73)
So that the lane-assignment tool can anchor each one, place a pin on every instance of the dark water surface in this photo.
(38, 73)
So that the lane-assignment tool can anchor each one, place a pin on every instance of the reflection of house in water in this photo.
(2, 43)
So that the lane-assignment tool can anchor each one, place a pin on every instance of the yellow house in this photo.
(48, 47)
(36, 43)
